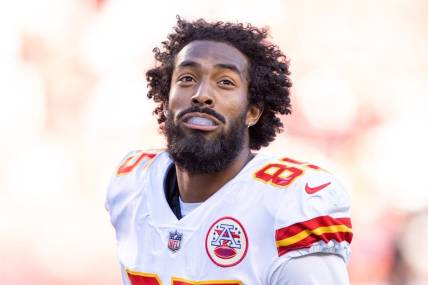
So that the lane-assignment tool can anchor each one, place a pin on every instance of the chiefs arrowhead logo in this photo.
(312, 190)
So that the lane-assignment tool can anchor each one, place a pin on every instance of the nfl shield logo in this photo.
(174, 241)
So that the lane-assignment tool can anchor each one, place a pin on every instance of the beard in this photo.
(200, 154)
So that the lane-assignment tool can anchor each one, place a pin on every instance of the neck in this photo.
(195, 188)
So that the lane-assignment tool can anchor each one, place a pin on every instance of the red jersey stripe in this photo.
(310, 240)
(312, 224)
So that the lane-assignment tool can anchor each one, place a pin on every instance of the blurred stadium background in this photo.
(73, 102)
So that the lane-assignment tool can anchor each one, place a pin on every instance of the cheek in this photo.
(174, 101)
(181, 95)
(236, 105)
(178, 101)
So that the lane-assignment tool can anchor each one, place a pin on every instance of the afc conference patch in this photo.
(174, 241)
(226, 242)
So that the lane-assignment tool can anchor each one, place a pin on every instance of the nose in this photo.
(203, 96)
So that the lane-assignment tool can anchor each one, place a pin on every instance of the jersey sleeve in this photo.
(324, 269)
(314, 217)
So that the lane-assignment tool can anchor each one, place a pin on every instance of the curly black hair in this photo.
(269, 82)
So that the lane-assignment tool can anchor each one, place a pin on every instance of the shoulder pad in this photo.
(126, 179)
(137, 159)
(314, 214)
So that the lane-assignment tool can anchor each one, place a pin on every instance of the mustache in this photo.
(196, 109)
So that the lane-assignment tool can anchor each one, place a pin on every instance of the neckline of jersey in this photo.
(226, 188)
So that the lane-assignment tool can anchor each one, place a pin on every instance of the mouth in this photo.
(200, 121)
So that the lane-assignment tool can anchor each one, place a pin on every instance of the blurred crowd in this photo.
(73, 102)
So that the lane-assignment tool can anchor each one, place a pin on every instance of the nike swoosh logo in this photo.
(312, 190)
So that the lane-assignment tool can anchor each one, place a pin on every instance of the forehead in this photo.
(214, 53)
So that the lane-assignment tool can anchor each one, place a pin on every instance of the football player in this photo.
(209, 210)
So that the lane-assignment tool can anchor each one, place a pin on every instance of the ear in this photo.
(253, 115)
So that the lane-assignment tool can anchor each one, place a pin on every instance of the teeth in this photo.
(200, 121)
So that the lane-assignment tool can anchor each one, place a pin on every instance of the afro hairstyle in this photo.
(269, 82)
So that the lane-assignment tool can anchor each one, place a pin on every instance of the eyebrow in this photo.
(190, 63)
(231, 67)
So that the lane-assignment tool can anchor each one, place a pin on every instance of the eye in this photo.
(226, 82)
(186, 79)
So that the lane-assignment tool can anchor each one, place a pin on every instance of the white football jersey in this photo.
(274, 207)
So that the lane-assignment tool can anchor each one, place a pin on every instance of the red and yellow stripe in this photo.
(182, 281)
(305, 234)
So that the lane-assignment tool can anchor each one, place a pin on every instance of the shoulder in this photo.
(311, 207)
(297, 179)
(130, 173)
(135, 161)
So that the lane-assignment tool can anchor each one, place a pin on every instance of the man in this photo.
(208, 210)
